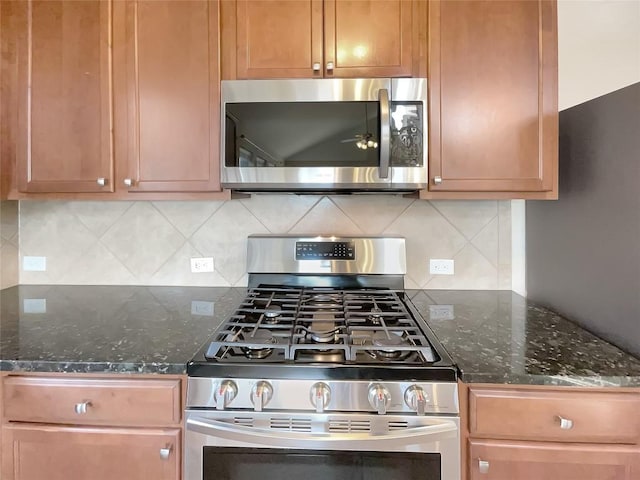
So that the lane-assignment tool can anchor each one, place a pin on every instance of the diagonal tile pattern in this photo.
(142, 240)
(428, 235)
(150, 243)
(224, 237)
(9, 240)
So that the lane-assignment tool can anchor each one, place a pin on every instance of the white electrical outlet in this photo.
(441, 312)
(34, 305)
(34, 264)
(202, 265)
(438, 266)
(200, 307)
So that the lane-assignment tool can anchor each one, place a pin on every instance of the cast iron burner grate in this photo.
(321, 325)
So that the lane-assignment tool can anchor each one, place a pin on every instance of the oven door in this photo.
(249, 445)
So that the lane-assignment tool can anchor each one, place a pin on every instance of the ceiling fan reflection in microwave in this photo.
(365, 140)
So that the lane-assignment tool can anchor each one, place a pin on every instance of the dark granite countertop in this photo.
(500, 337)
(108, 328)
(493, 336)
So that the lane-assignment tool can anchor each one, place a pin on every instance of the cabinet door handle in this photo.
(437, 180)
(165, 452)
(316, 67)
(128, 182)
(102, 181)
(81, 408)
(565, 423)
(483, 466)
(329, 66)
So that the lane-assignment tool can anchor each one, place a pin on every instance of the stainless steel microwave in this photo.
(320, 135)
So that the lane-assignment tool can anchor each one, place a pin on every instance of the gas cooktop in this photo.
(334, 306)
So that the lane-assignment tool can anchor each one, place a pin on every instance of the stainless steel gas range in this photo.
(325, 370)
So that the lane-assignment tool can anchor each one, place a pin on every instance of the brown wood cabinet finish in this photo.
(113, 402)
(64, 96)
(536, 415)
(167, 87)
(515, 432)
(279, 39)
(537, 461)
(493, 97)
(35, 452)
(316, 38)
(131, 430)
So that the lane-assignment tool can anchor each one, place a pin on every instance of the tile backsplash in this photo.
(9, 240)
(151, 243)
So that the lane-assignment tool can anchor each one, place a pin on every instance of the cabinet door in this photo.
(279, 38)
(493, 460)
(62, 453)
(493, 96)
(167, 89)
(368, 38)
(64, 96)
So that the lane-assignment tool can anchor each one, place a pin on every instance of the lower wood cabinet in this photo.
(550, 433)
(91, 427)
(36, 452)
(499, 460)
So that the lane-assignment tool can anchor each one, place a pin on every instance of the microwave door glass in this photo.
(406, 134)
(302, 134)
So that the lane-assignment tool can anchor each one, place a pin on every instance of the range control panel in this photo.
(325, 251)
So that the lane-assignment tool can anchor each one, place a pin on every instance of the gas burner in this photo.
(323, 336)
(387, 346)
(259, 338)
(375, 315)
(271, 314)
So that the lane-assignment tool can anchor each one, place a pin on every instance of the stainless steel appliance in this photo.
(324, 134)
(325, 370)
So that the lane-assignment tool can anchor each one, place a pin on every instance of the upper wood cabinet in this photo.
(118, 99)
(167, 95)
(493, 111)
(316, 38)
(64, 97)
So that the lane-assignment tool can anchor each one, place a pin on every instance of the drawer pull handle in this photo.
(483, 466)
(565, 423)
(165, 452)
(81, 408)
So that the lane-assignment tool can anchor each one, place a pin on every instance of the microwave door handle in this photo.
(385, 133)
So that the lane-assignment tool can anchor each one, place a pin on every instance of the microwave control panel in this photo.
(325, 251)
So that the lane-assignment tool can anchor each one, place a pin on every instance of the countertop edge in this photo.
(92, 367)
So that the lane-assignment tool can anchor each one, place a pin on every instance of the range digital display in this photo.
(325, 251)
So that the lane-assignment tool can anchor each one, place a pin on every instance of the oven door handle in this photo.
(240, 433)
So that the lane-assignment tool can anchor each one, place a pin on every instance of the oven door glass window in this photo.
(232, 463)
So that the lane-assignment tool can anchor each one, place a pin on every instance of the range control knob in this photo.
(320, 396)
(379, 398)
(261, 393)
(416, 399)
(225, 393)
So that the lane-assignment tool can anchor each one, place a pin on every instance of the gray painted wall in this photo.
(583, 251)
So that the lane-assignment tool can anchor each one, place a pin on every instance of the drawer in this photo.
(592, 417)
(83, 401)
